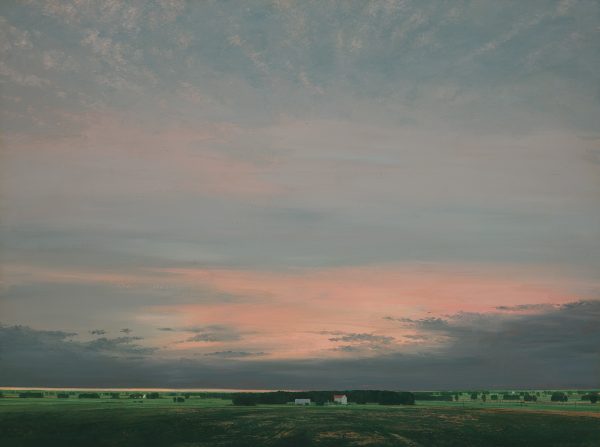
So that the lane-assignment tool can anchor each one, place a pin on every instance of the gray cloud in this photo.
(118, 345)
(97, 332)
(211, 333)
(527, 307)
(234, 354)
(363, 337)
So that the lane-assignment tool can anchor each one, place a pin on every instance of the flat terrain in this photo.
(215, 422)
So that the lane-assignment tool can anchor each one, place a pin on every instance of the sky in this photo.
(300, 194)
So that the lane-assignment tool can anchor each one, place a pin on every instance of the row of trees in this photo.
(322, 397)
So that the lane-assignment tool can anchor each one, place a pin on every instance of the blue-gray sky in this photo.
(283, 189)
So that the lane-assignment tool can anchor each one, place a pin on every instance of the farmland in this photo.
(209, 421)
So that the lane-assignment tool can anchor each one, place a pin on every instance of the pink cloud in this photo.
(118, 158)
(291, 309)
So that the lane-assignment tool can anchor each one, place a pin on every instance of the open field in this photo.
(215, 422)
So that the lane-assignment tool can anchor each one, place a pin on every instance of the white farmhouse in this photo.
(340, 399)
(302, 402)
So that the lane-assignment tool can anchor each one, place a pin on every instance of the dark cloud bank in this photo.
(554, 347)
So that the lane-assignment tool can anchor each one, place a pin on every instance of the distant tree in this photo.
(152, 396)
(186, 395)
(474, 396)
(245, 399)
(396, 398)
(89, 396)
(62, 396)
(494, 397)
(529, 398)
(31, 395)
(559, 396)
(115, 395)
(592, 397)
(483, 397)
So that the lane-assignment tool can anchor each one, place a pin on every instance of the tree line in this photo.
(322, 397)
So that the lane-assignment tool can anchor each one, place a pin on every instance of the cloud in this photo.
(213, 333)
(362, 338)
(166, 329)
(553, 348)
(527, 307)
(118, 345)
(126, 330)
(26, 80)
(234, 354)
(97, 332)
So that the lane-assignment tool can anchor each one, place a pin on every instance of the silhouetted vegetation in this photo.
(441, 396)
(592, 397)
(89, 396)
(31, 395)
(321, 397)
(559, 396)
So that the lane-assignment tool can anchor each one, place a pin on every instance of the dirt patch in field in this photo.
(592, 414)
(354, 437)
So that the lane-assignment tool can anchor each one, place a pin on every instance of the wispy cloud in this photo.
(97, 332)
(234, 354)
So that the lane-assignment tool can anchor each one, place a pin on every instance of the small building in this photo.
(340, 399)
(302, 402)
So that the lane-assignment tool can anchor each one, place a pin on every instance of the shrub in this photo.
(592, 397)
(31, 395)
(559, 396)
(245, 399)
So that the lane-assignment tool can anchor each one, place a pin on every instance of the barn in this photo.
(340, 399)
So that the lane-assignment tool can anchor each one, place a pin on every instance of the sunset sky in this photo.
(300, 194)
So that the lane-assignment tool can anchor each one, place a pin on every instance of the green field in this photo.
(216, 422)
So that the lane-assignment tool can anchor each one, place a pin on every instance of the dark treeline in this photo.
(322, 397)
(441, 396)
(31, 394)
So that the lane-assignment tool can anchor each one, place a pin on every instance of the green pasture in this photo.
(216, 422)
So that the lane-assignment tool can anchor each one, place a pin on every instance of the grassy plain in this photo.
(215, 422)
